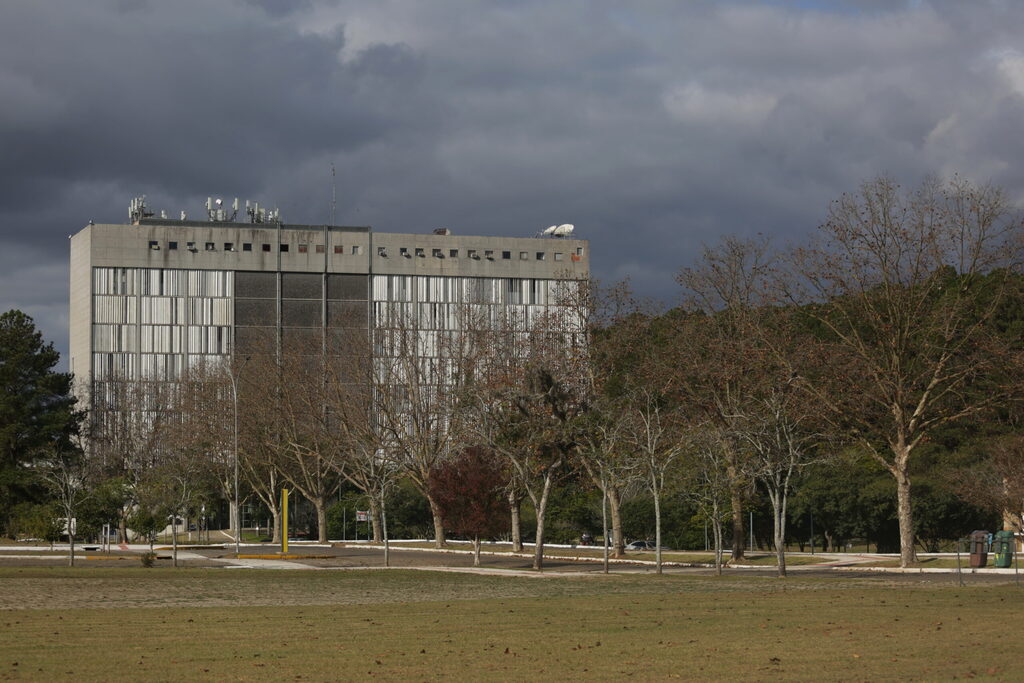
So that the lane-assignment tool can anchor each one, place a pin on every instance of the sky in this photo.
(656, 127)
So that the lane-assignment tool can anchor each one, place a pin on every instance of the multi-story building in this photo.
(151, 298)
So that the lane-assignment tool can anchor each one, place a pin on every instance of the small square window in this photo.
(402, 251)
(454, 253)
(284, 248)
(558, 256)
(420, 252)
(303, 248)
(246, 246)
(229, 246)
(382, 252)
(338, 249)
(437, 253)
(506, 255)
(579, 251)
(357, 250)
(319, 248)
(173, 246)
(266, 247)
(540, 255)
(524, 256)
(210, 246)
(471, 253)
(153, 244)
(191, 246)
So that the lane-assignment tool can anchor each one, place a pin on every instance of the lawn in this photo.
(103, 624)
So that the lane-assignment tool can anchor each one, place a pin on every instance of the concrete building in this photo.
(151, 298)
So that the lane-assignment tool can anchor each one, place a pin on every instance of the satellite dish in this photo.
(549, 231)
(563, 230)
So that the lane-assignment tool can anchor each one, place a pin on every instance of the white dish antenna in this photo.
(563, 230)
(549, 231)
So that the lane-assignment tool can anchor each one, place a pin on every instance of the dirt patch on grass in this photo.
(66, 588)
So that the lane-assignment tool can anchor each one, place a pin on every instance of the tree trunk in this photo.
(476, 551)
(321, 519)
(614, 509)
(378, 534)
(71, 545)
(716, 529)
(738, 539)
(541, 506)
(275, 514)
(657, 526)
(908, 554)
(435, 512)
(384, 530)
(514, 503)
(174, 537)
(122, 528)
(604, 528)
(779, 525)
(233, 519)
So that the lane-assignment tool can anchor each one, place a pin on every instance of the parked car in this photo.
(644, 545)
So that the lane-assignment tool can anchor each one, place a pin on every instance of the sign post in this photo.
(362, 516)
(284, 521)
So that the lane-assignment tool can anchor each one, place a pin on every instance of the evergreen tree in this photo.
(37, 410)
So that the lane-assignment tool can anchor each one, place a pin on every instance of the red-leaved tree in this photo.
(470, 490)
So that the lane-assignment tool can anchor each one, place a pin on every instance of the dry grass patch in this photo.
(423, 625)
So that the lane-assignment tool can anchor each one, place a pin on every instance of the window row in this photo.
(477, 254)
(159, 367)
(427, 316)
(448, 289)
(163, 282)
(282, 247)
(161, 310)
(161, 339)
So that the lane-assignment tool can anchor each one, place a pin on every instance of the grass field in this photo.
(103, 624)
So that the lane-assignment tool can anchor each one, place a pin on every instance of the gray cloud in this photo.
(654, 128)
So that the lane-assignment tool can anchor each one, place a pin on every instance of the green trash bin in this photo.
(1002, 548)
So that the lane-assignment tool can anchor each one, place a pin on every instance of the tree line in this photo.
(889, 343)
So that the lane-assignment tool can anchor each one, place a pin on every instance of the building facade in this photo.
(153, 298)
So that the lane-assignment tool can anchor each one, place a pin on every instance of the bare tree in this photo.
(997, 482)
(416, 379)
(656, 440)
(724, 299)
(776, 428)
(905, 284)
(66, 475)
(707, 483)
(531, 395)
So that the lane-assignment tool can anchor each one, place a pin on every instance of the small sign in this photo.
(362, 516)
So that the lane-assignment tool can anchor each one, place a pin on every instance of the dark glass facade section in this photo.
(346, 314)
(256, 339)
(347, 287)
(302, 340)
(302, 286)
(301, 313)
(255, 285)
(256, 312)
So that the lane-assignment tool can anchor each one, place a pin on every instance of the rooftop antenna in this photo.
(137, 209)
(216, 211)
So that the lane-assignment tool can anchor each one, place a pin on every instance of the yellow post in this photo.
(284, 521)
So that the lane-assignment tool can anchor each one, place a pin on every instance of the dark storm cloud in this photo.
(654, 128)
